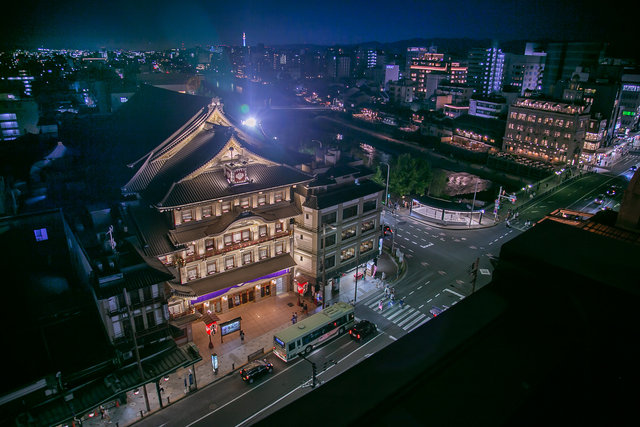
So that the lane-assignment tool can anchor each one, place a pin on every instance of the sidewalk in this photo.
(367, 284)
(259, 322)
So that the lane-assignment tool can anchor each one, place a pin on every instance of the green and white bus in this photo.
(316, 329)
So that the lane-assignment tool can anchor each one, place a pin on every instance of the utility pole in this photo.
(474, 274)
(355, 293)
(135, 347)
(473, 204)
(386, 193)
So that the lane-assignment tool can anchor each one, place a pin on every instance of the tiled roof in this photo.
(152, 230)
(213, 185)
(236, 276)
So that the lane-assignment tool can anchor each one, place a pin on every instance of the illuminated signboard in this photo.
(631, 88)
(628, 113)
(231, 326)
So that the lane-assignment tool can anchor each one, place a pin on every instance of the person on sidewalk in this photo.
(241, 335)
(380, 305)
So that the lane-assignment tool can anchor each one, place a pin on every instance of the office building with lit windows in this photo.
(486, 69)
(548, 130)
(429, 69)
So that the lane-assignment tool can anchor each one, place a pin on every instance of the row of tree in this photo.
(412, 175)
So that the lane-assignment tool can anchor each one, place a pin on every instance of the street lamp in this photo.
(324, 245)
(386, 193)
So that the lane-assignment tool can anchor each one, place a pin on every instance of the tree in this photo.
(409, 175)
(438, 183)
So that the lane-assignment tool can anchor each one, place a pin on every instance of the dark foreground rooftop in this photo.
(547, 342)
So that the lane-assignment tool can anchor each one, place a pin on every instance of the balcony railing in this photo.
(235, 246)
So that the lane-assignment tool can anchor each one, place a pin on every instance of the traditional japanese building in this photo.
(217, 213)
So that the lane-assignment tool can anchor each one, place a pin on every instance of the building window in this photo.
(263, 252)
(226, 207)
(279, 248)
(347, 254)
(192, 272)
(262, 230)
(262, 200)
(41, 234)
(211, 267)
(228, 239)
(329, 261)
(329, 218)
(244, 202)
(306, 216)
(237, 236)
(247, 258)
(348, 233)
(279, 227)
(246, 235)
(191, 249)
(329, 240)
(369, 205)
(349, 212)
(366, 246)
(187, 215)
(368, 225)
(278, 196)
(229, 262)
(206, 211)
(209, 244)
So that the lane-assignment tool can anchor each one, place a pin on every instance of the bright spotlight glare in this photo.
(251, 122)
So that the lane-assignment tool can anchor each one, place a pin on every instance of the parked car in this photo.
(362, 329)
(255, 370)
(435, 311)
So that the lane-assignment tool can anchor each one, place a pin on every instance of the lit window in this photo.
(229, 262)
(192, 272)
(211, 267)
(262, 200)
(263, 252)
(246, 235)
(279, 248)
(244, 202)
(247, 258)
(278, 196)
(226, 207)
(191, 249)
(41, 234)
(262, 230)
(206, 211)
(279, 227)
(187, 216)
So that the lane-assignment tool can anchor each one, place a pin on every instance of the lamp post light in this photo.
(386, 193)
(324, 275)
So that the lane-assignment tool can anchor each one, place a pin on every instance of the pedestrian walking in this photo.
(306, 308)
(402, 302)
(241, 335)
(293, 319)
(380, 305)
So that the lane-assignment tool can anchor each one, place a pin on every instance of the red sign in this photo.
(301, 287)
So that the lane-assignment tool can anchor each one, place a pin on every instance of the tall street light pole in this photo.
(386, 193)
(324, 275)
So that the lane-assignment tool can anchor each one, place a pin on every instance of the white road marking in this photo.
(411, 292)
(426, 246)
(419, 287)
(428, 281)
(416, 320)
(437, 295)
(455, 293)
(429, 300)
(413, 242)
(393, 338)
(420, 306)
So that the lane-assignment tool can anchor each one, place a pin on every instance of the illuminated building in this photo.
(548, 130)
(429, 69)
(486, 69)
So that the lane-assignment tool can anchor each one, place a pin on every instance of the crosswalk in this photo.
(406, 317)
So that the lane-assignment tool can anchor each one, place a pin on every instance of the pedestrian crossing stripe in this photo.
(408, 318)
(414, 321)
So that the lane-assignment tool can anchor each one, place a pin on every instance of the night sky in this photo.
(160, 24)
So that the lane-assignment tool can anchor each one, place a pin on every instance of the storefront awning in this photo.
(241, 275)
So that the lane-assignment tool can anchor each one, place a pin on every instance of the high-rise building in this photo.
(628, 103)
(486, 69)
(428, 69)
(563, 58)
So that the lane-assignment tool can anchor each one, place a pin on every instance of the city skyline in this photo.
(160, 25)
